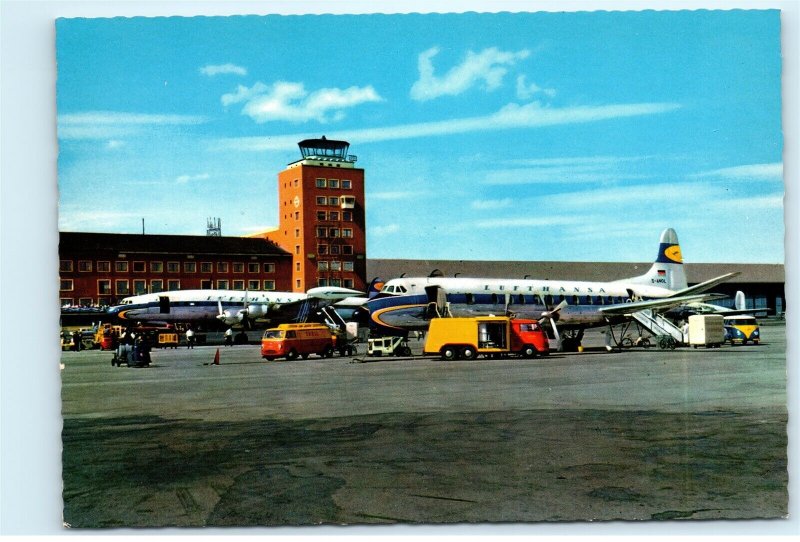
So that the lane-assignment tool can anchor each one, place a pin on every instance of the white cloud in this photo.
(764, 172)
(524, 222)
(116, 124)
(380, 231)
(526, 91)
(183, 179)
(114, 144)
(244, 94)
(289, 101)
(222, 69)
(491, 204)
(487, 67)
(392, 196)
(512, 116)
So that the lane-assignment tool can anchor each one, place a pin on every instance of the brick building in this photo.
(102, 268)
(321, 209)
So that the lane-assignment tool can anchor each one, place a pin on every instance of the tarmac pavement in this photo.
(636, 435)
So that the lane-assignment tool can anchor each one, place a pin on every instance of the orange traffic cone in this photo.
(216, 358)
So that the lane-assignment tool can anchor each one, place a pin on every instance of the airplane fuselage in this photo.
(403, 304)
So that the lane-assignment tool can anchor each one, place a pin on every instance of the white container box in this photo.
(706, 330)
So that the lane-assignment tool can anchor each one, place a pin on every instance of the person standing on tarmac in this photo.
(190, 337)
(229, 337)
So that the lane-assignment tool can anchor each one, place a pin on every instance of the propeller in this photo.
(553, 314)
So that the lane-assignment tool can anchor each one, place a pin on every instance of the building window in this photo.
(66, 285)
(347, 216)
(104, 287)
(66, 301)
(139, 267)
(322, 266)
(298, 284)
(85, 302)
(333, 232)
(222, 284)
(334, 215)
(104, 267)
(121, 287)
(121, 267)
(139, 287)
(206, 267)
(334, 200)
(320, 183)
(156, 286)
(336, 282)
(348, 266)
(297, 215)
(65, 266)
(333, 183)
(322, 249)
(253, 284)
(156, 267)
(297, 249)
(322, 232)
(173, 267)
(347, 232)
(206, 284)
(173, 284)
(222, 267)
(347, 249)
(252, 268)
(297, 232)
(322, 200)
(269, 268)
(269, 284)
(321, 215)
(85, 266)
(347, 185)
(189, 267)
(323, 282)
(297, 266)
(348, 283)
(238, 267)
(334, 249)
(336, 266)
(238, 285)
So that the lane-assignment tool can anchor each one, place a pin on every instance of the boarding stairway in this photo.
(658, 325)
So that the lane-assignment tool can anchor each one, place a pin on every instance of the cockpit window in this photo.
(401, 289)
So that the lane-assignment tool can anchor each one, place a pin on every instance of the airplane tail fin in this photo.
(374, 287)
(667, 271)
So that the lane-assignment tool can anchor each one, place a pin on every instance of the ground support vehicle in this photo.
(741, 329)
(706, 330)
(388, 346)
(492, 336)
(168, 339)
(292, 340)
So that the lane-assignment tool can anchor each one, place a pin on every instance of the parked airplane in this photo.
(231, 307)
(408, 303)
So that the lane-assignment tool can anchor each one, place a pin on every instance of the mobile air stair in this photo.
(668, 335)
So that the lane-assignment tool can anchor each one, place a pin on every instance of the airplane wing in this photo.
(707, 285)
(663, 303)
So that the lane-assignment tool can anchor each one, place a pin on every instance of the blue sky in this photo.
(526, 136)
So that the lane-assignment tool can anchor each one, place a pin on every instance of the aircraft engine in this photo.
(257, 311)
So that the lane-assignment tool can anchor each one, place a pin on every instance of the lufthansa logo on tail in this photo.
(673, 252)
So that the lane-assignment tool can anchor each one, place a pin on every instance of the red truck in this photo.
(493, 336)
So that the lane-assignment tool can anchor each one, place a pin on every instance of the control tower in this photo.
(321, 210)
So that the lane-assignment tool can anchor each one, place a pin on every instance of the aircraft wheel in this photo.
(468, 353)
(448, 353)
(627, 342)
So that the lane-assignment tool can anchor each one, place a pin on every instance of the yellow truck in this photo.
(493, 336)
